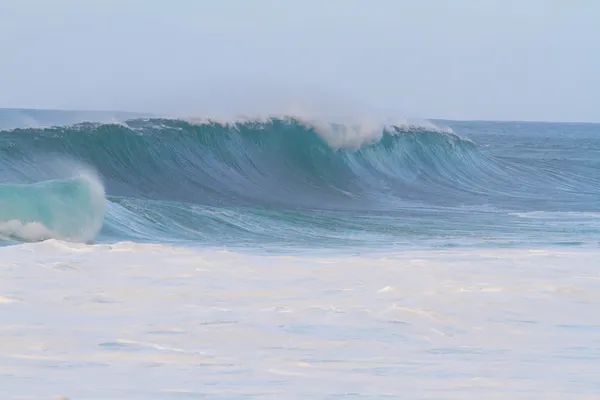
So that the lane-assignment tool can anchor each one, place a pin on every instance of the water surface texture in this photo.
(289, 257)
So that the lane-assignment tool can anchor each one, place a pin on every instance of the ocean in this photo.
(294, 257)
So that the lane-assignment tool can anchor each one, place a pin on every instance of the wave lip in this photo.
(67, 209)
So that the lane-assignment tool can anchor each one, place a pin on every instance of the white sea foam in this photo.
(416, 324)
(28, 231)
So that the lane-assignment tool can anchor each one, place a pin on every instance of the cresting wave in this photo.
(281, 162)
(177, 180)
(70, 209)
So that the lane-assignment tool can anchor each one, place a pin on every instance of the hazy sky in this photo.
(457, 59)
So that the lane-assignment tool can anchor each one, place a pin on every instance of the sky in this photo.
(456, 59)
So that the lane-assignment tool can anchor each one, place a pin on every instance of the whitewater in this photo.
(297, 257)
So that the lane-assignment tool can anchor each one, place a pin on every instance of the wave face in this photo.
(281, 180)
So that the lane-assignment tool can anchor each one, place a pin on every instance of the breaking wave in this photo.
(69, 209)
(215, 181)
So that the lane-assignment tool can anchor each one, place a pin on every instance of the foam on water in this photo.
(154, 321)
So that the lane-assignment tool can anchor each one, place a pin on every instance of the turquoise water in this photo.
(286, 183)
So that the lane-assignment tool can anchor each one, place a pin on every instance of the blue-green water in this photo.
(292, 183)
(288, 258)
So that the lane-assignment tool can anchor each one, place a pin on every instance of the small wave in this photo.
(69, 209)
(558, 215)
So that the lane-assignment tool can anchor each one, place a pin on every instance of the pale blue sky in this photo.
(457, 59)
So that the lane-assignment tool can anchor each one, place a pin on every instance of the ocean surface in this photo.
(293, 257)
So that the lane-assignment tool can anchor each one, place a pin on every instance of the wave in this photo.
(284, 162)
(212, 180)
(68, 209)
